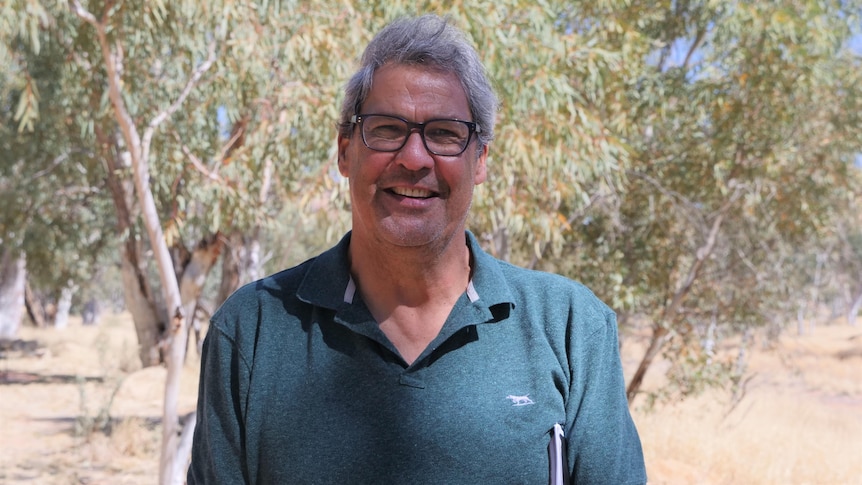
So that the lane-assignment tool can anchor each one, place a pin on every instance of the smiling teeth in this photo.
(416, 193)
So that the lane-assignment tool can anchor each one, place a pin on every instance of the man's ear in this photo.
(480, 173)
(343, 144)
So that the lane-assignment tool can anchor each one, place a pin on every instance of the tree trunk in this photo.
(709, 338)
(854, 308)
(12, 282)
(800, 319)
(241, 264)
(176, 335)
(253, 267)
(149, 318)
(814, 302)
(195, 273)
(64, 306)
(90, 312)
(149, 322)
(230, 268)
(34, 306)
(668, 316)
(659, 335)
(500, 243)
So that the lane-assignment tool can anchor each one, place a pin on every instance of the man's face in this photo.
(411, 197)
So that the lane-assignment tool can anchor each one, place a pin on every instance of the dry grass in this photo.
(49, 410)
(799, 423)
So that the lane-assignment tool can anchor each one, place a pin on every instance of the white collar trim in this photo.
(350, 292)
(472, 294)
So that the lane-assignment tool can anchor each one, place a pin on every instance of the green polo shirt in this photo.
(299, 385)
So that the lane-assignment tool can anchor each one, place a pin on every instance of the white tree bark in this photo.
(855, 306)
(139, 148)
(13, 275)
(64, 306)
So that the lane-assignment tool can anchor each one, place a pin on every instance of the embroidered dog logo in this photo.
(520, 400)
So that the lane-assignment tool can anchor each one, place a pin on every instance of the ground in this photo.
(799, 422)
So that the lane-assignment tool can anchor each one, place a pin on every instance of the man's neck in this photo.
(409, 275)
(410, 291)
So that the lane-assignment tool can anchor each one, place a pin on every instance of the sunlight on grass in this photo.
(799, 423)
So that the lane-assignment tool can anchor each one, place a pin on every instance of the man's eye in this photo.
(443, 134)
(387, 131)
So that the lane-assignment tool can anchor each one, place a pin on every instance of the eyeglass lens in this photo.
(388, 134)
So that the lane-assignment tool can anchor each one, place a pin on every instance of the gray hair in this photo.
(431, 41)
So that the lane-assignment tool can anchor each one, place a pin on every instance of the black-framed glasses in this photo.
(385, 133)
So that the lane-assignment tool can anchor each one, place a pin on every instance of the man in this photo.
(406, 354)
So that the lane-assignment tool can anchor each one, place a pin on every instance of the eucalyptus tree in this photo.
(743, 143)
(146, 87)
(49, 182)
(846, 263)
(233, 119)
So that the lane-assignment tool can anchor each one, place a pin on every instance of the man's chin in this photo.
(415, 234)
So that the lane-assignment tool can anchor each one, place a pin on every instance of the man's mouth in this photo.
(412, 193)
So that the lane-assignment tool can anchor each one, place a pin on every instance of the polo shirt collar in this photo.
(488, 281)
(327, 279)
(328, 282)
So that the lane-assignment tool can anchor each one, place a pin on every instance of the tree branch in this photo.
(701, 255)
(267, 181)
(698, 40)
(200, 166)
(54, 164)
(190, 85)
(689, 208)
(112, 66)
(83, 14)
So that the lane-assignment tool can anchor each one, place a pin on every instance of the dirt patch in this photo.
(80, 410)
(800, 421)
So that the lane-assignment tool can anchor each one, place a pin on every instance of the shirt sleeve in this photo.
(218, 447)
(603, 445)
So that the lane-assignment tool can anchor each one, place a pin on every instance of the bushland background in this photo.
(697, 164)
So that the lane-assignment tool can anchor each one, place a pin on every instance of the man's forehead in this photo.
(405, 83)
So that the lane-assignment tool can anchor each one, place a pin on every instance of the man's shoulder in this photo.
(504, 281)
(532, 282)
(534, 277)
(277, 288)
(280, 284)
(318, 280)
(555, 301)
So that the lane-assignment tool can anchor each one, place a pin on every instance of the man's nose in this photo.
(413, 155)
